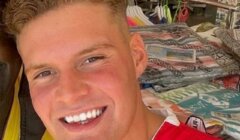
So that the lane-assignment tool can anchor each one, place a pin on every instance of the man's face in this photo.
(82, 73)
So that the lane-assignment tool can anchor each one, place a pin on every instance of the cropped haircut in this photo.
(18, 13)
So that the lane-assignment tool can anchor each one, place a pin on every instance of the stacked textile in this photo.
(189, 73)
(173, 68)
(231, 39)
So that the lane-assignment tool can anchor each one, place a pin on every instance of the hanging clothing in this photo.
(136, 14)
(131, 22)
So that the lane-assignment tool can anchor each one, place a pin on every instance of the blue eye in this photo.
(44, 74)
(93, 59)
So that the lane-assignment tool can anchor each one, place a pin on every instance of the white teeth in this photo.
(69, 119)
(94, 113)
(98, 112)
(76, 118)
(89, 115)
(83, 117)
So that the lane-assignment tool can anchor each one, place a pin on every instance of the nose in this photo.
(71, 87)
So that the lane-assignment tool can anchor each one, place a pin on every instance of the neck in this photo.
(145, 124)
(154, 121)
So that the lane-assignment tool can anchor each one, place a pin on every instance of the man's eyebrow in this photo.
(34, 67)
(90, 49)
(95, 47)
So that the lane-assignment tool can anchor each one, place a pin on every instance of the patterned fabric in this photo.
(211, 62)
(231, 43)
(217, 105)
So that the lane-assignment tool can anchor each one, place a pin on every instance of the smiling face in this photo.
(82, 71)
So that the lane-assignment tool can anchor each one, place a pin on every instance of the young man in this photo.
(83, 68)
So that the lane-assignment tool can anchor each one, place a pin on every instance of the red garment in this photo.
(131, 22)
(169, 131)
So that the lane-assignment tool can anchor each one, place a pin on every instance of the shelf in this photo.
(211, 2)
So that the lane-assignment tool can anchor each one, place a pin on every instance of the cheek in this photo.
(118, 83)
(114, 79)
(41, 99)
(120, 87)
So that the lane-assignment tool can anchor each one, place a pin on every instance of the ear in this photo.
(139, 54)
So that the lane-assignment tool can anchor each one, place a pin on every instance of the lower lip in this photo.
(77, 127)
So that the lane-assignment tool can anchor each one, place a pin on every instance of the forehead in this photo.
(82, 15)
(70, 12)
(77, 25)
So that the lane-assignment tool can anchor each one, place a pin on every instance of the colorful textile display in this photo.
(187, 74)
(231, 39)
(216, 104)
(178, 56)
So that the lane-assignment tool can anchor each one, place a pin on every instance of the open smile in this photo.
(84, 118)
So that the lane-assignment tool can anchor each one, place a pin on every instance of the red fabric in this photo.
(171, 132)
(183, 14)
(131, 22)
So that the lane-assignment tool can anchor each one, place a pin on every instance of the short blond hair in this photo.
(19, 12)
